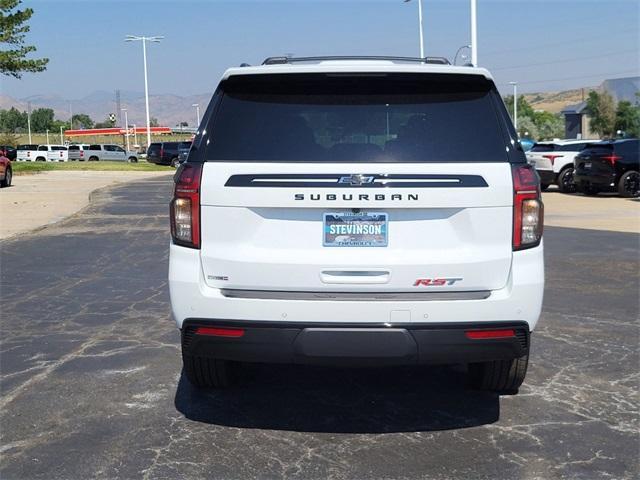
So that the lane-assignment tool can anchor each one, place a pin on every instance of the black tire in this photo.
(205, 372)
(8, 176)
(175, 162)
(629, 184)
(565, 181)
(501, 376)
(588, 190)
(544, 186)
(93, 159)
(41, 159)
(133, 160)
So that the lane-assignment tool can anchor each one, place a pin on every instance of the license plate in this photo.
(587, 165)
(346, 229)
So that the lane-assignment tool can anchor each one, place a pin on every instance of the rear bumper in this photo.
(547, 176)
(354, 344)
(602, 181)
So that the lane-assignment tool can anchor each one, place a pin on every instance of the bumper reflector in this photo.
(489, 334)
(220, 332)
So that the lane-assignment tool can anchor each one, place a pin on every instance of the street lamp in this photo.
(126, 126)
(455, 58)
(29, 119)
(144, 40)
(515, 105)
(47, 136)
(474, 34)
(420, 26)
(197, 107)
(135, 135)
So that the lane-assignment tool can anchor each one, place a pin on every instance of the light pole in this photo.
(420, 26)
(61, 136)
(455, 59)
(135, 135)
(515, 105)
(47, 137)
(70, 116)
(29, 119)
(387, 111)
(197, 107)
(474, 34)
(144, 40)
(126, 126)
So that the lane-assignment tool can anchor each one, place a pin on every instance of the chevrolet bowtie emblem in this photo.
(356, 179)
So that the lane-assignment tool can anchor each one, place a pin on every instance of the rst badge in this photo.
(435, 282)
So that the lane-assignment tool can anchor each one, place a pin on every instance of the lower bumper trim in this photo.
(373, 344)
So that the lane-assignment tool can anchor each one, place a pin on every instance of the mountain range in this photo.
(172, 109)
(169, 109)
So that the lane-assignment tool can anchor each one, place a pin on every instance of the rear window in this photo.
(184, 145)
(74, 147)
(356, 118)
(543, 147)
(58, 148)
(27, 147)
(43, 148)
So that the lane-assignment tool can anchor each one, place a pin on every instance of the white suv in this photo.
(356, 211)
(553, 161)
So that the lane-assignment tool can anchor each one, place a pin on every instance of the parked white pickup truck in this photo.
(51, 153)
(27, 153)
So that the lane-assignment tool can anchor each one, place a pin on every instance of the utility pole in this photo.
(474, 34)
(126, 125)
(70, 116)
(515, 105)
(61, 136)
(29, 119)
(419, 26)
(47, 137)
(118, 107)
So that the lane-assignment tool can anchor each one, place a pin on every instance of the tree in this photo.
(601, 108)
(12, 120)
(107, 123)
(527, 128)
(42, 119)
(524, 109)
(549, 126)
(13, 28)
(82, 120)
(628, 119)
(153, 122)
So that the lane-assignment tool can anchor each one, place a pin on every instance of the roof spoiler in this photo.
(287, 60)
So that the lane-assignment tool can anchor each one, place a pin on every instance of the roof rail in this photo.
(286, 60)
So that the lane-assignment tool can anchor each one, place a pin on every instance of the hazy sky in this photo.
(544, 45)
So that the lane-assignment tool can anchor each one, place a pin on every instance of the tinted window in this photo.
(74, 147)
(628, 148)
(55, 148)
(184, 145)
(543, 147)
(43, 148)
(110, 148)
(94, 147)
(346, 118)
(27, 147)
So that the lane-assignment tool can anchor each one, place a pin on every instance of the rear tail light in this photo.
(185, 206)
(81, 153)
(28, 154)
(220, 332)
(611, 158)
(552, 158)
(528, 210)
(161, 152)
(490, 334)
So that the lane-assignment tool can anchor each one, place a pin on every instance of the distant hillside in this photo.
(620, 88)
(554, 102)
(172, 109)
(168, 109)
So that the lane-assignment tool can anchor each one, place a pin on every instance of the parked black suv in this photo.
(166, 153)
(609, 166)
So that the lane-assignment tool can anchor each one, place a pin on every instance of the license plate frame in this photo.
(376, 225)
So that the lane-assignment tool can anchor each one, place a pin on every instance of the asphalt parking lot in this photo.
(92, 388)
